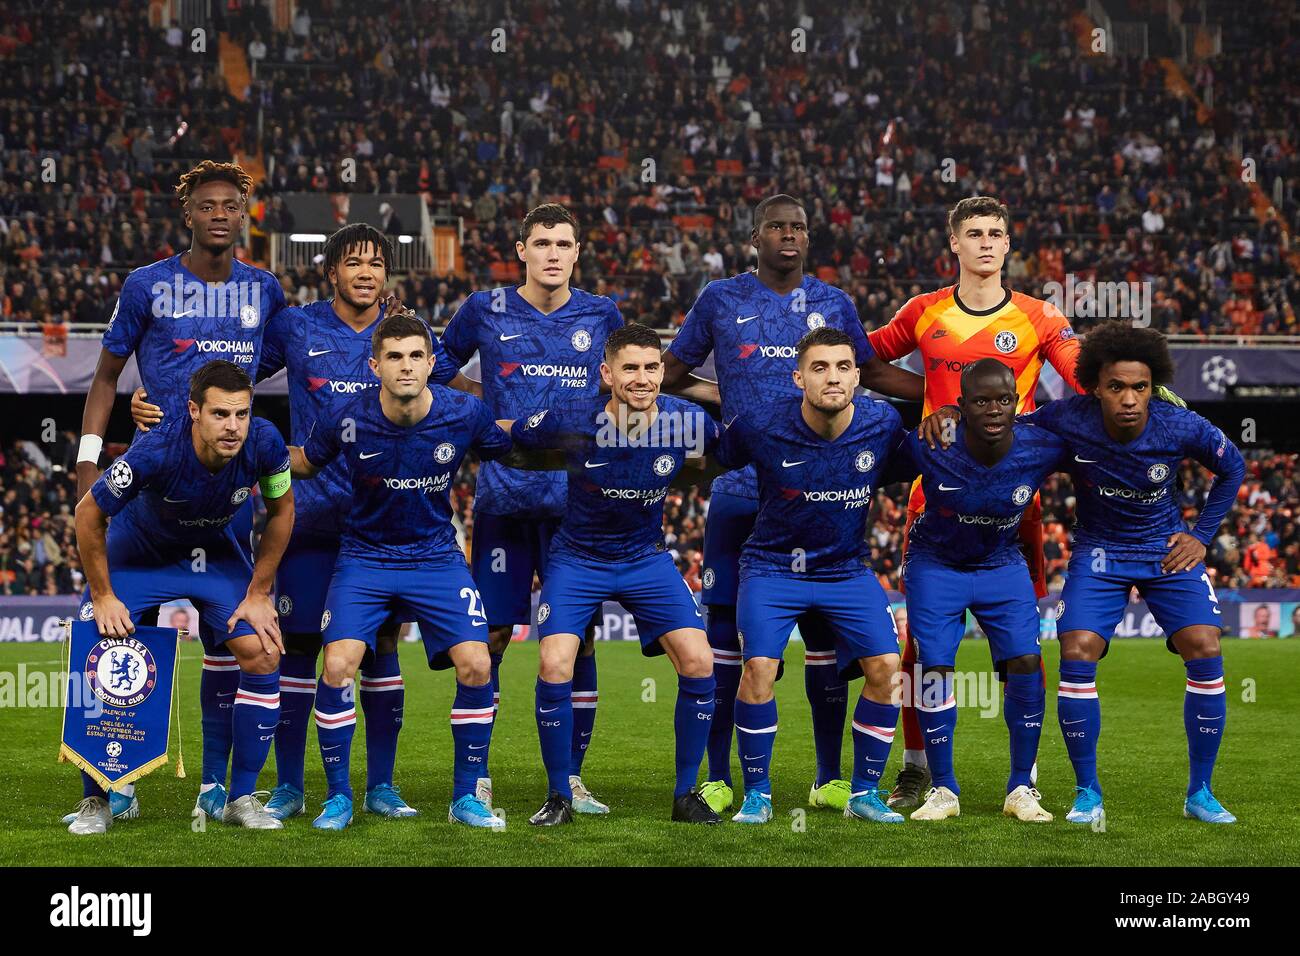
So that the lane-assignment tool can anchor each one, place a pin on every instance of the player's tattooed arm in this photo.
(99, 406)
(143, 413)
(940, 426)
(111, 615)
(888, 379)
(257, 608)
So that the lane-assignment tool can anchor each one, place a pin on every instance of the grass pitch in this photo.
(1143, 765)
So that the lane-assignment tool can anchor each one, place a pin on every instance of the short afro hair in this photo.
(210, 171)
(1117, 341)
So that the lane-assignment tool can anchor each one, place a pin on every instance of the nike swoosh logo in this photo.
(312, 353)
(943, 487)
(703, 702)
(369, 454)
(585, 733)
(181, 315)
(231, 694)
(599, 464)
(1079, 721)
(930, 730)
(334, 747)
(791, 464)
(1086, 461)
(478, 623)
(260, 727)
(1201, 717)
(477, 746)
(175, 501)
(748, 318)
(1032, 716)
(544, 710)
(507, 338)
(754, 757)
(873, 760)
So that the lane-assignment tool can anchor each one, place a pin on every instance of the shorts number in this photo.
(1213, 597)
(475, 608)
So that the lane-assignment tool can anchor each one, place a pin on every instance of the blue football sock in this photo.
(297, 695)
(1078, 710)
(89, 788)
(1022, 708)
(496, 703)
(828, 696)
(383, 697)
(937, 718)
(1205, 712)
(336, 722)
(721, 630)
(256, 717)
(217, 688)
(691, 720)
(554, 712)
(873, 735)
(471, 733)
(585, 698)
(755, 739)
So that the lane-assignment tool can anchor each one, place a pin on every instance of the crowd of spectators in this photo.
(880, 117)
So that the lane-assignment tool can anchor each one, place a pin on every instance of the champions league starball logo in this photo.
(121, 671)
(114, 748)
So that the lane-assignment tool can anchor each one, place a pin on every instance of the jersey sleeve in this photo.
(137, 469)
(490, 439)
(736, 447)
(613, 317)
(1051, 416)
(323, 444)
(853, 326)
(898, 336)
(1209, 446)
(275, 342)
(131, 317)
(272, 460)
(905, 458)
(539, 429)
(694, 340)
(460, 337)
(711, 434)
(444, 369)
(1058, 345)
(275, 297)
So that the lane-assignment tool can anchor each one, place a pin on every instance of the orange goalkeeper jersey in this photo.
(1022, 333)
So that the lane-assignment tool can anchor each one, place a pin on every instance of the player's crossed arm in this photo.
(539, 451)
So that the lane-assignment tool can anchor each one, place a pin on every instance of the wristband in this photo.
(91, 446)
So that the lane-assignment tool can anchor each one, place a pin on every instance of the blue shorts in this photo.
(301, 583)
(1095, 600)
(855, 609)
(1002, 600)
(441, 598)
(507, 551)
(651, 589)
(215, 588)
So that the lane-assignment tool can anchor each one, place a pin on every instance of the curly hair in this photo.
(354, 236)
(210, 171)
(1117, 341)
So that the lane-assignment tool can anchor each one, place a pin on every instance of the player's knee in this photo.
(553, 665)
(1024, 664)
(1082, 646)
(757, 680)
(499, 638)
(881, 677)
(695, 660)
(1197, 642)
(338, 667)
(473, 665)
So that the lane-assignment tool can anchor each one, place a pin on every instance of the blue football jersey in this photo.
(529, 361)
(400, 510)
(175, 323)
(1127, 495)
(752, 333)
(164, 502)
(327, 364)
(617, 486)
(813, 495)
(972, 512)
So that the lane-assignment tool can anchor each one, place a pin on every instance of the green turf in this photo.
(1143, 767)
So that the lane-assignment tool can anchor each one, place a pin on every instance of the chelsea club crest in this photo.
(121, 671)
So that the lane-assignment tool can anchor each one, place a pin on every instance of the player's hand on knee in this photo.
(1185, 553)
(261, 616)
(940, 426)
(112, 618)
(143, 413)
